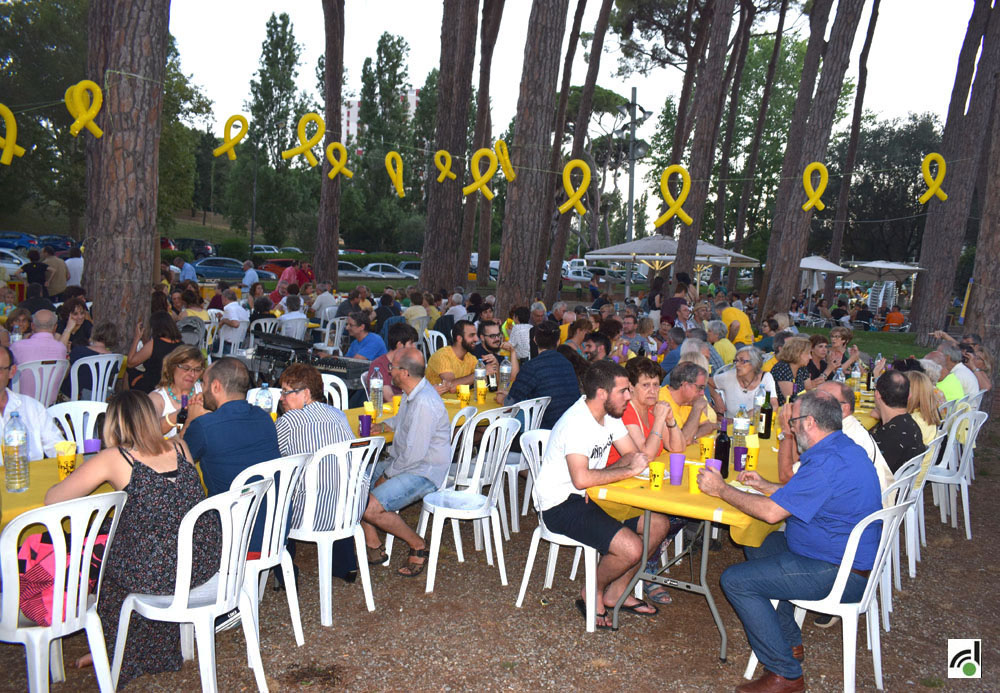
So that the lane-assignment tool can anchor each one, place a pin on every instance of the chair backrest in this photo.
(976, 400)
(974, 420)
(491, 458)
(533, 444)
(333, 332)
(350, 465)
(40, 379)
(103, 369)
(389, 322)
(294, 328)
(214, 314)
(533, 410)
(72, 563)
(433, 340)
(464, 471)
(265, 325)
(233, 336)
(78, 420)
(335, 390)
(237, 511)
(211, 334)
(459, 422)
(420, 324)
(275, 396)
(284, 472)
(328, 315)
(929, 457)
(192, 331)
(901, 490)
(725, 369)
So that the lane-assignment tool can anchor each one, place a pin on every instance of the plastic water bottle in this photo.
(15, 455)
(375, 390)
(741, 428)
(838, 377)
(505, 372)
(758, 402)
(264, 400)
(856, 377)
(15, 335)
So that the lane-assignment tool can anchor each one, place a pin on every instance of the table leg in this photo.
(702, 577)
(640, 574)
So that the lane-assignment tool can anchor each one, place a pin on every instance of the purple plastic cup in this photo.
(714, 464)
(676, 468)
(91, 445)
(739, 455)
(365, 422)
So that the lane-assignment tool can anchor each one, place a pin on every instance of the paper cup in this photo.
(676, 468)
(692, 469)
(65, 458)
(706, 445)
(656, 475)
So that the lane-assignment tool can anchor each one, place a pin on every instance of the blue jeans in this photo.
(401, 490)
(774, 572)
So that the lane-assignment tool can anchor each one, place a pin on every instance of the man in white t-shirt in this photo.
(575, 460)
(74, 265)
(324, 300)
(232, 315)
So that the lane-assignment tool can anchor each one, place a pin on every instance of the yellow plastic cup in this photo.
(706, 445)
(656, 470)
(692, 469)
(463, 395)
(369, 409)
(65, 458)
(396, 401)
(481, 392)
(753, 450)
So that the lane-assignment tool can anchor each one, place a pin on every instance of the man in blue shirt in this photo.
(674, 340)
(366, 345)
(186, 269)
(835, 488)
(548, 374)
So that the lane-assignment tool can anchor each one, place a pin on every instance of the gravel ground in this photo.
(469, 635)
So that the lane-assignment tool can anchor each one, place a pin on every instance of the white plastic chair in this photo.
(235, 340)
(294, 328)
(335, 390)
(284, 473)
(868, 604)
(533, 445)
(43, 644)
(350, 471)
(104, 369)
(214, 315)
(470, 503)
(221, 594)
(333, 329)
(40, 379)
(957, 477)
(922, 463)
(78, 420)
(533, 410)
(275, 396)
(265, 325)
(209, 343)
(900, 492)
(431, 341)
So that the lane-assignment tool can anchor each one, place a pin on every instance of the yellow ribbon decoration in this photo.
(575, 195)
(230, 142)
(338, 164)
(394, 166)
(481, 179)
(814, 195)
(442, 159)
(933, 185)
(83, 112)
(306, 145)
(9, 144)
(504, 156)
(676, 206)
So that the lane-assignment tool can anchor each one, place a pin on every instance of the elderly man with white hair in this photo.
(717, 331)
(947, 382)
(456, 307)
(970, 384)
(42, 345)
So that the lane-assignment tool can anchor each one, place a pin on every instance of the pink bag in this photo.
(36, 568)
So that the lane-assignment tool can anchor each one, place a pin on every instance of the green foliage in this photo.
(234, 247)
(653, 34)
(169, 255)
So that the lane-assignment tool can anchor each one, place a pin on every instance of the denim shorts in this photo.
(586, 522)
(399, 491)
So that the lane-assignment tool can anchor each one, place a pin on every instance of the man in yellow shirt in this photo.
(738, 324)
(455, 364)
(685, 393)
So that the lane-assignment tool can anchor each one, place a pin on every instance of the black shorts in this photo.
(586, 522)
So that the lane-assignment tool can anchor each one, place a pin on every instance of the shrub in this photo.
(168, 256)
(234, 247)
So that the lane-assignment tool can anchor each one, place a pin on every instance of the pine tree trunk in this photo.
(127, 56)
(443, 240)
(791, 222)
(558, 248)
(961, 147)
(711, 88)
(328, 226)
(527, 208)
(758, 136)
(844, 196)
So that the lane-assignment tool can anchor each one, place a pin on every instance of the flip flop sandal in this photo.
(658, 594)
(581, 606)
(376, 554)
(415, 568)
(634, 608)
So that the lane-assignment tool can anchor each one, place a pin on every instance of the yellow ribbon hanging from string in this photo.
(306, 144)
(814, 194)
(338, 164)
(674, 206)
(442, 159)
(504, 157)
(933, 185)
(481, 179)
(83, 111)
(575, 194)
(394, 166)
(230, 142)
(9, 143)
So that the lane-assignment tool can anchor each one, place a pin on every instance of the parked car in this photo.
(348, 270)
(16, 240)
(352, 251)
(167, 244)
(261, 249)
(61, 244)
(576, 275)
(384, 270)
(10, 261)
(225, 268)
(411, 266)
(289, 249)
(198, 247)
(277, 264)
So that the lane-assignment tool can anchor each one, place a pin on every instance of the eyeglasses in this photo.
(191, 369)
(287, 393)
(796, 418)
(741, 360)
(491, 336)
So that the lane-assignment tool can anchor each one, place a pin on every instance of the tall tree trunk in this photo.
(791, 222)
(747, 12)
(758, 136)
(583, 112)
(843, 197)
(711, 88)
(527, 210)
(127, 55)
(443, 239)
(558, 130)
(961, 146)
(328, 225)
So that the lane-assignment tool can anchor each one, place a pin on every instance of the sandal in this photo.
(412, 567)
(658, 594)
(581, 606)
(376, 554)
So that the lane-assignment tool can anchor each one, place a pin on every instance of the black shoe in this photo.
(825, 621)
(349, 577)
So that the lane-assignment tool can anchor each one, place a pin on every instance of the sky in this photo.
(911, 67)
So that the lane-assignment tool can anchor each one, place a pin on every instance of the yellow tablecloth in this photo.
(451, 403)
(42, 475)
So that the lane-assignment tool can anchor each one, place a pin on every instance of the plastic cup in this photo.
(396, 401)
(676, 468)
(480, 392)
(91, 446)
(463, 395)
(365, 425)
(692, 469)
(656, 475)
(739, 457)
(714, 464)
(369, 409)
(707, 446)
(65, 457)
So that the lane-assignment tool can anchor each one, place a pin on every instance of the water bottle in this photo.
(856, 376)
(264, 399)
(15, 455)
(479, 376)
(15, 335)
(758, 402)
(741, 428)
(838, 377)
(505, 371)
(375, 390)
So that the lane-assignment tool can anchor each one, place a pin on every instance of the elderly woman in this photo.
(840, 353)
(790, 372)
(923, 405)
(19, 320)
(181, 377)
(738, 386)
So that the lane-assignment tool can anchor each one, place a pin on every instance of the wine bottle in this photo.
(182, 413)
(723, 445)
(766, 417)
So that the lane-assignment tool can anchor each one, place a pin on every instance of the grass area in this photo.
(900, 344)
(212, 233)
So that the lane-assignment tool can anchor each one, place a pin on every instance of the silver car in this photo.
(384, 270)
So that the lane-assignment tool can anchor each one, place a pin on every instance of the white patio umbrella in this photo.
(812, 269)
(882, 270)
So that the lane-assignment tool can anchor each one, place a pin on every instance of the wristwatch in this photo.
(781, 436)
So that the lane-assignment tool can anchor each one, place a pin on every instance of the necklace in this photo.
(170, 392)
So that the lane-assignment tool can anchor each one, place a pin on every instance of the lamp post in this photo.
(635, 151)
